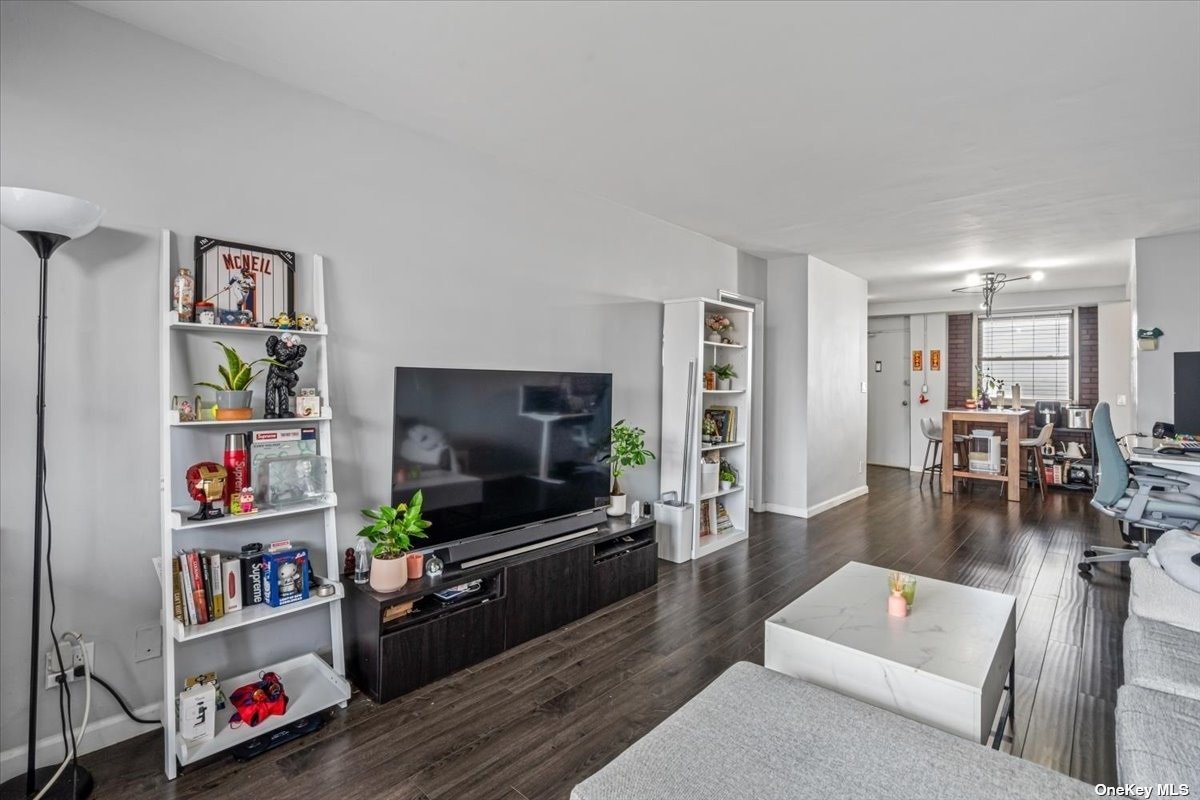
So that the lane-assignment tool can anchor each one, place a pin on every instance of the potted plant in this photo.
(725, 375)
(718, 325)
(709, 430)
(628, 451)
(728, 476)
(233, 395)
(391, 531)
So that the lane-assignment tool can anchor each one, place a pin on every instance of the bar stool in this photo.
(933, 435)
(1036, 444)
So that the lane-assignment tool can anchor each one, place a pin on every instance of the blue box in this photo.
(285, 576)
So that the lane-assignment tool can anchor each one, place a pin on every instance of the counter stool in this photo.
(933, 434)
(1035, 443)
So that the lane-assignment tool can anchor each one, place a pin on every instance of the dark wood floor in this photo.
(532, 722)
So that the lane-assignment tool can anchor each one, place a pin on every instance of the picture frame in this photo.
(248, 278)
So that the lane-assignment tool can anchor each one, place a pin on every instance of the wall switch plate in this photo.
(72, 657)
(147, 643)
(1121, 400)
(860, 467)
(864, 387)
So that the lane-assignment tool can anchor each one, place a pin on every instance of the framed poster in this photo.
(917, 360)
(935, 360)
(258, 281)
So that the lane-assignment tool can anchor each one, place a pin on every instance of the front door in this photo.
(887, 395)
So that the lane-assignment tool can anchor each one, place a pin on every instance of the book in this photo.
(177, 591)
(724, 523)
(189, 589)
(231, 583)
(705, 524)
(216, 594)
(205, 581)
(198, 595)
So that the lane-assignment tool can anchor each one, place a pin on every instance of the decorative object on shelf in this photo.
(1073, 451)
(248, 278)
(282, 321)
(306, 322)
(434, 566)
(251, 556)
(308, 406)
(728, 476)
(237, 469)
(725, 418)
(183, 407)
(206, 485)
(235, 318)
(243, 502)
(986, 386)
(198, 712)
(897, 606)
(256, 701)
(710, 476)
(233, 396)
(349, 563)
(206, 313)
(709, 430)
(989, 284)
(627, 452)
(183, 295)
(416, 565)
(391, 532)
(285, 576)
(717, 325)
(1148, 338)
(285, 355)
(291, 479)
(725, 375)
(710, 380)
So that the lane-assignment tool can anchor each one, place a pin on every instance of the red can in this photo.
(237, 466)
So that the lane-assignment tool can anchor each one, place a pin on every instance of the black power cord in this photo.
(122, 703)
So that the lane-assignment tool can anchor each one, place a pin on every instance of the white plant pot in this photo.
(726, 486)
(714, 337)
(388, 574)
(616, 505)
(724, 384)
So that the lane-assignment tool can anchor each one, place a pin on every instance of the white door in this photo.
(887, 395)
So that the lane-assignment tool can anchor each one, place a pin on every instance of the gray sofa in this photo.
(755, 733)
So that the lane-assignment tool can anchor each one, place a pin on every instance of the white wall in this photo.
(816, 409)
(435, 257)
(1167, 296)
(752, 276)
(926, 332)
(1115, 363)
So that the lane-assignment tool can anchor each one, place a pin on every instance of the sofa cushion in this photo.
(1158, 737)
(755, 733)
(1161, 656)
(1153, 595)
(1173, 553)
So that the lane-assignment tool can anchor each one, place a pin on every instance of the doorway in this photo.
(888, 418)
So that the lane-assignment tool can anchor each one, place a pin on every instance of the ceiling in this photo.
(910, 143)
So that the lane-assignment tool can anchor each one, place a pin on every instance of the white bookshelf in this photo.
(312, 682)
(685, 342)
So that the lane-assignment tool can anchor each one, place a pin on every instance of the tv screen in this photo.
(493, 449)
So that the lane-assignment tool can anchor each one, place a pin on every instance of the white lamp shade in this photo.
(47, 212)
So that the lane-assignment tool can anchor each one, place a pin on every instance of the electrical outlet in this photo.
(147, 643)
(1121, 400)
(860, 467)
(72, 657)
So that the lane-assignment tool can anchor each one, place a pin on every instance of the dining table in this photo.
(1014, 420)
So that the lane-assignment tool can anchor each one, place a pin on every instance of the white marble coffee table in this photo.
(945, 664)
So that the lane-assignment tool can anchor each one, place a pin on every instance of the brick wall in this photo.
(960, 370)
(1089, 357)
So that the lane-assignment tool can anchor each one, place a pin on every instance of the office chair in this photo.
(1150, 498)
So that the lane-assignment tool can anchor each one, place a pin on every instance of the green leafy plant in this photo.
(727, 473)
(235, 373)
(628, 451)
(393, 529)
(723, 371)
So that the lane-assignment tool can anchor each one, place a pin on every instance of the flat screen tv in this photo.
(496, 450)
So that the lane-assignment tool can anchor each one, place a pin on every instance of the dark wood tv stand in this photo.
(521, 597)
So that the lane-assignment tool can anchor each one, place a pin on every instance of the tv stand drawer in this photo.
(619, 572)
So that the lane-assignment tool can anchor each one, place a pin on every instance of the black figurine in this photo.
(287, 353)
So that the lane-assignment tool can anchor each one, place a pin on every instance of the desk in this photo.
(1015, 420)
(1186, 464)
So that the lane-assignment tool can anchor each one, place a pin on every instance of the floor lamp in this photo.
(47, 221)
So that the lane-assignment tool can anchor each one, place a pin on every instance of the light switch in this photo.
(1120, 399)
(864, 387)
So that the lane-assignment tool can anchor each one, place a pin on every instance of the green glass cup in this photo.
(909, 591)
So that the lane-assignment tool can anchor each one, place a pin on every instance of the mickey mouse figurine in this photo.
(286, 352)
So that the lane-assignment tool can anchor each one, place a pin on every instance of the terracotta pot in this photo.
(616, 505)
(416, 565)
(388, 574)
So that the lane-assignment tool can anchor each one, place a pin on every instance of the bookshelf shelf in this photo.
(685, 405)
(311, 683)
(249, 615)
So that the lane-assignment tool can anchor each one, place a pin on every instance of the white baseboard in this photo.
(812, 511)
(100, 734)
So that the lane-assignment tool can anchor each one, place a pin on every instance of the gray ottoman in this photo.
(754, 733)
(1162, 657)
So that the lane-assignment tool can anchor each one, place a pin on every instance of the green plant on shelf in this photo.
(723, 372)
(236, 373)
(727, 473)
(393, 529)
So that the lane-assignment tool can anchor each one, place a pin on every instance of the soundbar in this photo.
(506, 542)
(527, 548)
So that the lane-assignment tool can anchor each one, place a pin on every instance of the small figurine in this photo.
(282, 321)
(348, 562)
(243, 501)
(306, 322)
(287, 354)
(206, 485)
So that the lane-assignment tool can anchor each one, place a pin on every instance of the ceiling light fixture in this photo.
(989, 283)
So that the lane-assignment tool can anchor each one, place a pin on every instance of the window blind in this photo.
(1034, 350)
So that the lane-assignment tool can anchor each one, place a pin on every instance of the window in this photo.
(1034, 350)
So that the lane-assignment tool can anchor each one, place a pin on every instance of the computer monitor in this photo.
(1187, 393)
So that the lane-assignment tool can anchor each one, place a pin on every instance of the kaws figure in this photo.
(287, 353)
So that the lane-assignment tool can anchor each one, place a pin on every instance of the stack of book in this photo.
(725, 418)
(724, 523)
(206, 586)
(705, 525)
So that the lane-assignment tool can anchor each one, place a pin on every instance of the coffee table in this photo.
(945, 664)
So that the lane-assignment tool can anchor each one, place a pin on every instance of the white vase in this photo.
(726, 486)
(724, 384)
(714, 337)
(388, 574)
(616, 505)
